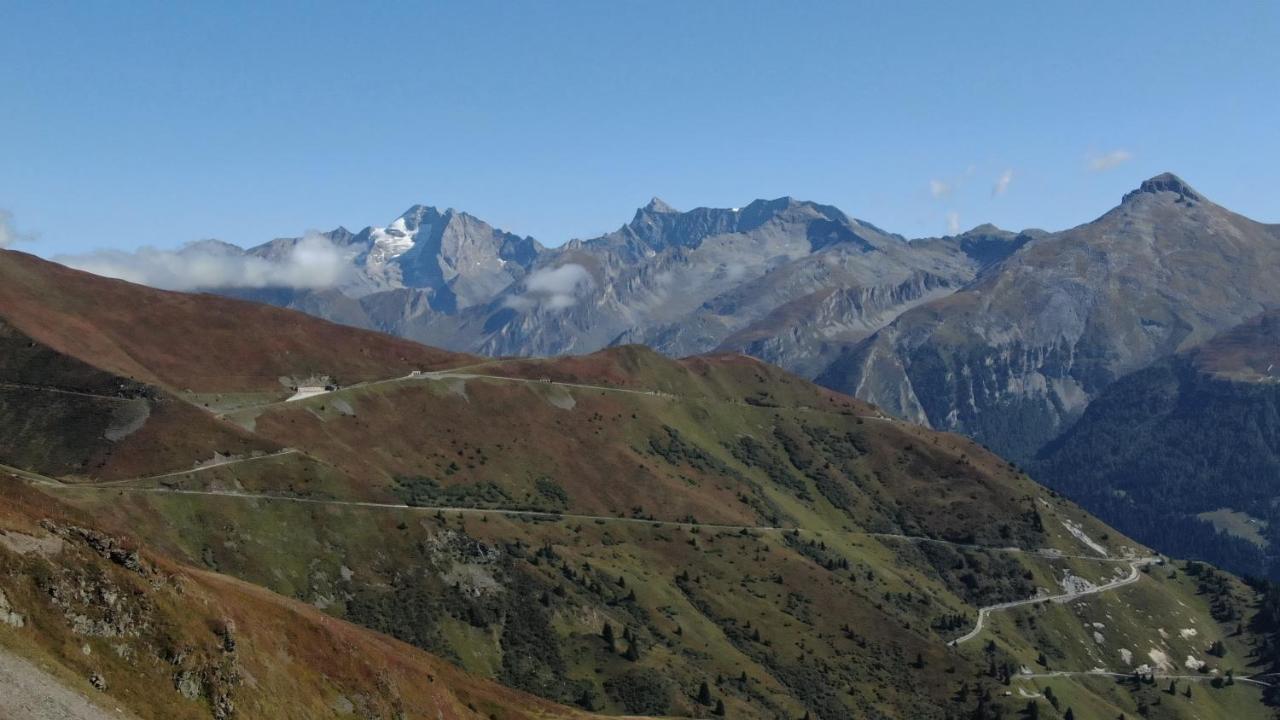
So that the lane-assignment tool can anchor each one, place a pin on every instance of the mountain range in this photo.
(789, 281)
(1003, 336)
(215, 508)
(1016, 356)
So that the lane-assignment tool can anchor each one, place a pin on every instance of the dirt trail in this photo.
(200, 468)
(461, 374)
(559, 516)
(29, 693)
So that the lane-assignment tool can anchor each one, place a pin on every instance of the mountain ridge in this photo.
(1015, 357)
(613, 531)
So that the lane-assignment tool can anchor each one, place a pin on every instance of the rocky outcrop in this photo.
(8, 614)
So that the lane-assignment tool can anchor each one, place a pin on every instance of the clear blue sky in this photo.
(137, 123)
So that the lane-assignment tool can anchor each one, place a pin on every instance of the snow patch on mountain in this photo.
(392, 241)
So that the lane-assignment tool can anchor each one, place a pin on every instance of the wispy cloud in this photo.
(953, 222)
(1002, 183)
(552, 288)
(314, 262)
(9, 235)
(940, 188)
(1106, 161)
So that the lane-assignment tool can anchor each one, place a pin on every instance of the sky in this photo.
(156, 124)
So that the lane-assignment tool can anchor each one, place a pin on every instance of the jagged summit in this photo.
(1164, 182)
(657, 205)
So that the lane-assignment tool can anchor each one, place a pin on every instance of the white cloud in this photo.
(1106, 161)
(1002, 183)
(940, 188)
(313, 262)
(9, 234)
(552, 288)
(953, 222)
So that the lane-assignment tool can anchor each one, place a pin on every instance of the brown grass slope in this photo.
(170, 641)
(823, 618)
(63, 417)
(192, 342)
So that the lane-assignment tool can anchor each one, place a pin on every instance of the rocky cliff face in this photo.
(794, 282)
(456, 260)
(1016, 356)
(686, 282)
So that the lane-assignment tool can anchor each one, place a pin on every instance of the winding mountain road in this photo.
(985, 612)
(1251, 680)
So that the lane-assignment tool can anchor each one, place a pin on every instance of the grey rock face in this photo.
(794, 282)
(1015, 357)
(456, 259)
(690, 282)
(1006, 336)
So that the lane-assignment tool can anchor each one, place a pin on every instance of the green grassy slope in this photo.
(729, 524)
(794, 589)
(141, 636)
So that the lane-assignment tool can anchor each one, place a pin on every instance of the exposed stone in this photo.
(8, 615)
(188, 684)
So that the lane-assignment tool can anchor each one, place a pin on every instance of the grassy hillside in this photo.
(723, 536)
(635, 535)
(135, 632)
(189, 342)
(63, 416)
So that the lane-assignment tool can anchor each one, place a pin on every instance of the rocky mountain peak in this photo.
(987, 229)
(419, 215)
(656, 205)
(1165, 182)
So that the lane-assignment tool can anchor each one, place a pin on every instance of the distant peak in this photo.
(211, 246)
(656, 205)
(987, 229)
(1165, 182)
(419, 210)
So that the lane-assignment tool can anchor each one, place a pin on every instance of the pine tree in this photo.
(633, 652)
(1069, 715)
(704, 694)
(719, 708)
(607, 634)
